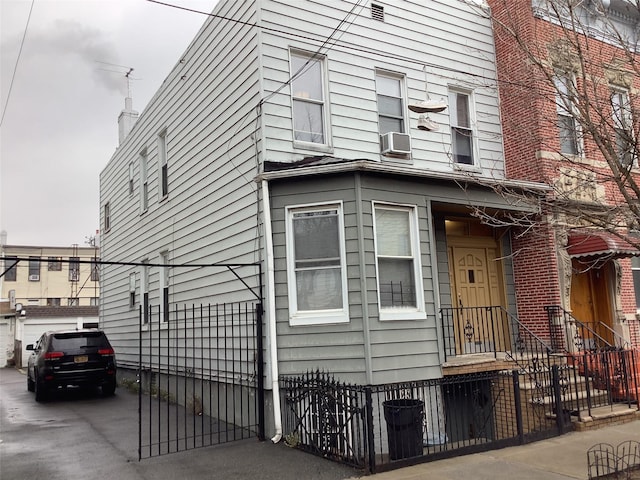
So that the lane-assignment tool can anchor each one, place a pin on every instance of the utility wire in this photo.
(15, 68)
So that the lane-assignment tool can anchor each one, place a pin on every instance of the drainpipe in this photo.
(271, 312)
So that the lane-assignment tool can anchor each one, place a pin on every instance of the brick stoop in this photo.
(605, 417)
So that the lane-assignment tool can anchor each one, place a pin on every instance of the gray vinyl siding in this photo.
(207, 107)
(450, 38)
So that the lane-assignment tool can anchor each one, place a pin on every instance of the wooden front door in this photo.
(591, 300)
(476, 281)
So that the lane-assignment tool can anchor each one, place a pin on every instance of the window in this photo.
(316, 265)
(132, 290)
(107, 217)
(164, 286)
(53, 302)
(73, 301)
(622, 124)
(93, 301)
(462, 142)
(144, 182)
(74, 269)
(390, 103)
(565, 107)
(95, 271)
(11, 269)
(54, 264)
(398, 266)
(162, 162)
(34, 269)
(145, 291)
(308, 99)
(131, 178)
(635, 270)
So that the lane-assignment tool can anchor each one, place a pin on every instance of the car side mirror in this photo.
(30, 346)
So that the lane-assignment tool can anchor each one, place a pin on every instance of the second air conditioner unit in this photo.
(34, 278)
(395, 143)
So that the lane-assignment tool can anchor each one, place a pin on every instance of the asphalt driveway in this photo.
(82, 435)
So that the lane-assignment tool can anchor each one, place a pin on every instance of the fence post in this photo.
(557, 393)
(368, 421)
(260, 371)
(518, 405)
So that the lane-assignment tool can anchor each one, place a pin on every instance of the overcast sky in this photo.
(60, 123)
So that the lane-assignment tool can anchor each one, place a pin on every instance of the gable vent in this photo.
(377, 12)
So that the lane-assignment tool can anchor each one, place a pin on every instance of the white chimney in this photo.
(3, 238)
(126, 120)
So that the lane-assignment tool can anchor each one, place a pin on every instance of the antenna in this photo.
(127, 71)
(127, 75)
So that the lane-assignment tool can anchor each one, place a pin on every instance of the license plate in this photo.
(81, 359)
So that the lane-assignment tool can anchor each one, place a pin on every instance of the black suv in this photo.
(71, 357)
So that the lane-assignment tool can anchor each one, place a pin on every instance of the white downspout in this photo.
(271, 312)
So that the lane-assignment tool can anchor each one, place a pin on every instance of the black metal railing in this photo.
(381, 427)
(470, 330)
(568, 334)
(605, 461)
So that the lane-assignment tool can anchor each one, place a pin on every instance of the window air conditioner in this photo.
(34, 278)
(395, 143)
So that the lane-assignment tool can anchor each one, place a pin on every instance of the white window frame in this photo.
(402, 313)
(622, 119)
(163, 165)
(315, 317)
(325, 144)
(379, 74)
(163, 287)
(132, 290)
(453, 91)
(144, 292)
(562, 80)
(131, 177)
(107, 217)
(144, 181)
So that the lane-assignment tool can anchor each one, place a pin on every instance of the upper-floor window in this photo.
(11, 269)
(53, 302)
(163, 164)
(95, 271)
(144, 280)
(568, 129)
(144, 182)
(74, 269)
(164, 286)
(460, 119)
(308, 96)
(73, 301)
(398, 262)
(623, 126)
(131, 178)
(316, 265)
(391, 111)
(54, 264)
(107, 217)
(34, 269)
(132, 290)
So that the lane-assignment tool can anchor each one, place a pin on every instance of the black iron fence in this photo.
(381, 427)
(200, 376)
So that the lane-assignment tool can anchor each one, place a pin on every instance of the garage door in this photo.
(34, 327)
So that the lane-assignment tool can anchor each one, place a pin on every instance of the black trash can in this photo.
(404, 427)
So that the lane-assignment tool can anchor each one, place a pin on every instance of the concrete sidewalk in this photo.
(563, 457)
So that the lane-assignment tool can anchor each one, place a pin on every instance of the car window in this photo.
(71, 340)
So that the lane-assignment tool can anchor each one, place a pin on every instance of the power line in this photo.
(15, 68)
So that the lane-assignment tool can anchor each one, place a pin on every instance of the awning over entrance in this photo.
(599, 244)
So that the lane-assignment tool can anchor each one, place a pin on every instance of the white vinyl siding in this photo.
(398, 262)
(316, 265)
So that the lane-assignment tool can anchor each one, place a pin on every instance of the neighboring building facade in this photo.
(567, 98)
(305, 143)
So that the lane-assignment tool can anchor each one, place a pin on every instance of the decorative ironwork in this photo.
(605, 461)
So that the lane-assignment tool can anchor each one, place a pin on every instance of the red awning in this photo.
(599, 244)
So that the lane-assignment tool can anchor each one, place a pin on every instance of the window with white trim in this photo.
(391, 112)
(461, 122)
(316, 265)
(132, 290)
(164, 286)
(308, 97)
(400, 292)
(568, 129)
(144, 182)
(131, 178)
(623, 126)
(107, 217)
(163, 166)
(144, 280)
(34, 269)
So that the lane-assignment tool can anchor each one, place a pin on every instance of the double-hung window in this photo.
(107, 217)
(390, 103)
(460, 119)
(144, 280)
(144, 182)
(74, 269)
(316, 265)
(55, 264)
(163, 164)
(308, 97)
(11, 269)
(400, 292)
(34, 269)
(131, 178)
(568, 130)
(132, 290)
(622, 125)
(164, 286)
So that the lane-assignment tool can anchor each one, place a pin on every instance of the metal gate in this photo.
(200, 376)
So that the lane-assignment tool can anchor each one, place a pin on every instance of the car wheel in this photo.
(31, 386)
(109, 388)
(41, 392)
